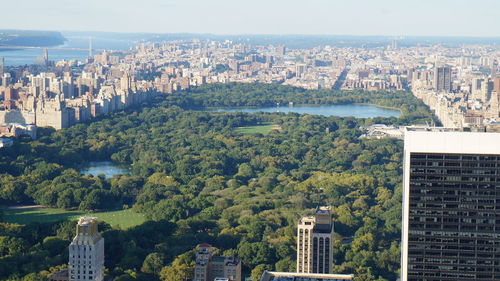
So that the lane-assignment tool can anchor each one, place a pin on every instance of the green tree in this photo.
(153, 263)
(259, 270)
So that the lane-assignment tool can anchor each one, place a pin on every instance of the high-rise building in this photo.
(486, 89)
(2, 62)
(86, 252)
(442, 78)
(209, 267)
(282, 50)
(476, 88)
(300, 69)
(90, 47)
(496, 84)
(314, 242)
(394, 44)
(451, 203)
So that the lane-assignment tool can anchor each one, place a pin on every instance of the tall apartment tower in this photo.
(86, 252)
(314, 242)
(451, 203)
(442, 78)
(496, 84)
(282, 50)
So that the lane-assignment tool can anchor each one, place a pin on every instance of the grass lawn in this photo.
(262, 129)
(122, 218)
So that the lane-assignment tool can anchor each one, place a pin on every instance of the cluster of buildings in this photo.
(451, 197)
(68, 92)
(59, 100)
(461, 85)
(314, 255)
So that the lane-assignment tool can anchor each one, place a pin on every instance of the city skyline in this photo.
(318, 17)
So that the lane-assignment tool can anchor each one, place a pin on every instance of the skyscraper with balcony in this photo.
(314, 242)
(451, 203)
(86, 252)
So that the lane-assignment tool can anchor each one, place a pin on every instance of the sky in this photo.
(329, 17)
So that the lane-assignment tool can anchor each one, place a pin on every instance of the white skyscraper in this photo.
(314, 242)
(86, 252)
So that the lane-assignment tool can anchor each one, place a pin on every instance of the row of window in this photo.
(470, 157)
(434, 233)
(455, 220)
(455, 171)
(421, 163)
(458, 178)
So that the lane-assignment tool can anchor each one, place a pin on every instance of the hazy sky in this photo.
(349, 17)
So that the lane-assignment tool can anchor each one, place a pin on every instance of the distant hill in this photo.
(30, 38)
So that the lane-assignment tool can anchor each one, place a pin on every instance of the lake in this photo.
(341, 110)
(108, 168)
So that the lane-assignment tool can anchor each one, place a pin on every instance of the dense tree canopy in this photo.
(197, 179)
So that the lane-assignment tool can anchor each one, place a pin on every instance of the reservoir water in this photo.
(108, 168)
(341, 110)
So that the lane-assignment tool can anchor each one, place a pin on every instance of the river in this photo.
(28, 56)
(341, 110)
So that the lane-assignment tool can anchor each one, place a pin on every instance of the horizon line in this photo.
(257, 34)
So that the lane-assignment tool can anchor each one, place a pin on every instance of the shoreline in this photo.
(380, 106)
(297, 105)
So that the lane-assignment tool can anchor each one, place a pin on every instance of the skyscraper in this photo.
(486, 89)
(442, 78)
(86, 252)
(282, 50)
(314, 242)
(2, 62)
(90, 47)
(394, 44)
(46, 56)
(451, 203)
(496, 84)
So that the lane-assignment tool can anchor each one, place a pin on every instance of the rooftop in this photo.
(294, 276)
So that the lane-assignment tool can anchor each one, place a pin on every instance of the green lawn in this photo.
(262, 129)
(122, 218)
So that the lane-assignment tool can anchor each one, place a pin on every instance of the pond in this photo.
(341, 110)
(108, 168)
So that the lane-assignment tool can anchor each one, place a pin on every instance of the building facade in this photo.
(210, 268)
(86, 252)
(314, 242)
(442, 79)
(451, 203)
